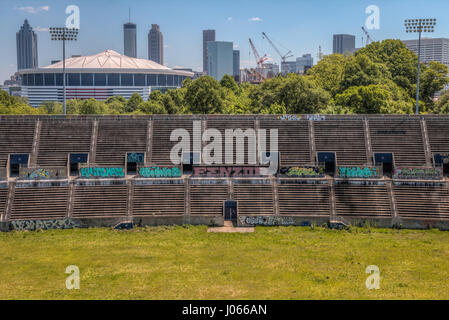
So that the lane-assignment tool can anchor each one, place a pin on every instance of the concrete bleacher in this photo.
(384, 201)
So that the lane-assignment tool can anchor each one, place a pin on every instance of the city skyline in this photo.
(300, 26)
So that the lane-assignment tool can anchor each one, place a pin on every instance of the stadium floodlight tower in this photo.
(419, 26)
(63, 34)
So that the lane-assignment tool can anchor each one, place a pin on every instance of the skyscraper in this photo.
(156, 44)
(26, 42)
(236, 65)
(130, 41)
(343, 43)
(432, 49)
(220, 59)
(304, 63)
(208, 35)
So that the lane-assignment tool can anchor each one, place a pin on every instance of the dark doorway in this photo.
(230, 210)
(75, 159)
(446, 169)
(16, 161)
(386, 161)
(188, 160)
(132, 161)
(327, 159)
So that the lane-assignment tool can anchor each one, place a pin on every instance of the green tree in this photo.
(152, 107)
(434, 77)
(92, 106)
(228, 82)
(52, 107)
(133, 103)
(204, 96)
(328, 73)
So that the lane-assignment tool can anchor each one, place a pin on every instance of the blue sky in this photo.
(297, 25)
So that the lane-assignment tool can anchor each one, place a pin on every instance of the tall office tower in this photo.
(156, 44)
(432, 49)
(236, 65)
(304, 63)
(220, 59)
(130, 43)
(208, 35)
(26, 42)
(344, 43)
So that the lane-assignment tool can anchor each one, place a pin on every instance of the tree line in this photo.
(379, 78)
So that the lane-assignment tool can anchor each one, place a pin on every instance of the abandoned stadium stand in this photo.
(42, 157)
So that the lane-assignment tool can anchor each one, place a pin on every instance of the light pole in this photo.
(64, 34)
(419, 26)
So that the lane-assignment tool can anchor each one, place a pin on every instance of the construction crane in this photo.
(368, 36)
(259, 62)
(284, 57)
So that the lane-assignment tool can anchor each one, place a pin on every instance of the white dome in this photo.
(108, 59)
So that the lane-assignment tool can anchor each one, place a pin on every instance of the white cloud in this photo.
(39, 29)
(229, 18)
(255, 19)
(33, 10)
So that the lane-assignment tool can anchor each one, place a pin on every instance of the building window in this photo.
(127, 80)
(113, 79)
(87, 79)
(139, 80)
(49, 79)
(151, 80)
(100, 79)
(74, 79)
(170, 79)
(59, 79)
(161, 80)
(38, 79)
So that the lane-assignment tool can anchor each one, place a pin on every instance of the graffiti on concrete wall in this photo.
(266, 221)
(160, 172)
(31, 225)
(294, 117)
(135, 157)
(418, 173)
(359, 172)
(228, 171)
(42, 173)
(303, 172)
(89, 172)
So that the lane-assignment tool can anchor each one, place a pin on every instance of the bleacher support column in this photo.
(11, 192)
(37, 133)
(71, 199)
(392, 199)
(425, 137)
(93, 142)
(312, 142)
(187, 201)
(333, 213)
(369, 149)
(256, 129)
(130, 202)
(203, 129)
(274, 184)
(149, 155)
(230, 189)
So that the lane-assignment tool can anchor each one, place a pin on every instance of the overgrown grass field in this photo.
(189, 263)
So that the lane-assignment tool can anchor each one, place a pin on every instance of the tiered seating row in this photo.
(40, 203)
(304, 199)
(362, 201)
(58, 138)
(422, 202)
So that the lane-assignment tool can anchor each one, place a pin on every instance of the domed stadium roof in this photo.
(108, 59)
